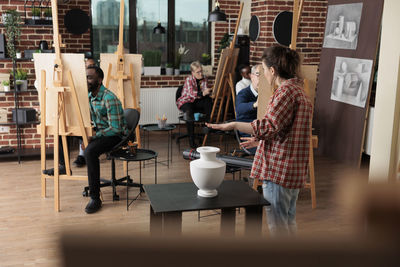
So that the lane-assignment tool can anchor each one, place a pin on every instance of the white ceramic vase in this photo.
(207, 172)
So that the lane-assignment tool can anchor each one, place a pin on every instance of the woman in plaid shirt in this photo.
(282, 139)
(195, 97)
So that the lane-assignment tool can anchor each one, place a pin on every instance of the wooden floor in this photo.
(30, 228)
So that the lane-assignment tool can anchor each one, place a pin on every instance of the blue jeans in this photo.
(281, 214)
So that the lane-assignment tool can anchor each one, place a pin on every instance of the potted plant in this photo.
(12, 26)
(206, 61)
(6, 85)
(169, 69)
(152, 62)
(21, 79)
(224, 43)
(47, 13)
(18, 54)
(181, 52)
(36, 13)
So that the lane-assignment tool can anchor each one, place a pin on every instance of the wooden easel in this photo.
(60, 127)
(225, 89)
(120, 76)
(297, 9)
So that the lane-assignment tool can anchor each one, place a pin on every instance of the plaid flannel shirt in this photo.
(284, 134)
(190, 91)
(107, 114)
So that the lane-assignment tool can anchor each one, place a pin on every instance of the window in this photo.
(105, 26)
(189, 27)
(148, 13)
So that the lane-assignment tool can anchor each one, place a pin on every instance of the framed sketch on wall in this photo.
(351, 78)
(342, 26)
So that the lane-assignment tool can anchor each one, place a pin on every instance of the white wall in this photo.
(384, 151)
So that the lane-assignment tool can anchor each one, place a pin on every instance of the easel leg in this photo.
(43, 133)
(56, 159)
(135, 102)
(125, 166)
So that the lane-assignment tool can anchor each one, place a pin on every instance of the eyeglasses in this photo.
(199, 72)
(256, 74)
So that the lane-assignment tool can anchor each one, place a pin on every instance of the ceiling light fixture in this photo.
(217, 14)
(159, 29)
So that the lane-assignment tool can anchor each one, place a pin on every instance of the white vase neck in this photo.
(208, 153)
(208, 156)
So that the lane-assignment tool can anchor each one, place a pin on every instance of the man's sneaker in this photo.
(93, 206)
(79, 162)
(61, 170)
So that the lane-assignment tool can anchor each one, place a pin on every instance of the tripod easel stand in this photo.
(120, 75)
(61, 112)
(224, 84)
(310, 73)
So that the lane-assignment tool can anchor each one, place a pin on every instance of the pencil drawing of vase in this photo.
(207, 172)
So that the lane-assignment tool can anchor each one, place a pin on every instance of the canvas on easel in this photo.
(76, 64)
(123, 73)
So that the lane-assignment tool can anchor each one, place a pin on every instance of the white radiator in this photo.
(158, 101)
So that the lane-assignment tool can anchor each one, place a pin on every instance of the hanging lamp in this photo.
(217, 14)
(159, 29)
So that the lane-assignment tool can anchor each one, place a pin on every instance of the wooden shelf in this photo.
(25, 153)
(17, 59)
(14, 123)
(18, 92)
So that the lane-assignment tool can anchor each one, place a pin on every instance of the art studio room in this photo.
(199, 132)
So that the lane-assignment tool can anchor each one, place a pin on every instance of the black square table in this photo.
(168, 201)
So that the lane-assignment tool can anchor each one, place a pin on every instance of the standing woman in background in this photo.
(282, 138)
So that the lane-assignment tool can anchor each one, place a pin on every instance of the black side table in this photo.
(147, 128)
(168, 201)
(141, 155)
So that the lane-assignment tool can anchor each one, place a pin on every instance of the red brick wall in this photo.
(311, 28)
(231, 9)
(309, 44)
(30, 38)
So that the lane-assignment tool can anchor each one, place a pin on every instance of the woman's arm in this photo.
(244, 127)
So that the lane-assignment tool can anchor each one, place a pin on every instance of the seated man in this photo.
(195, 98)
(110, 126)
(247, 101)
(245, 81)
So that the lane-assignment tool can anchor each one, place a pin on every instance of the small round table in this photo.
(147, 128)
(141, 155)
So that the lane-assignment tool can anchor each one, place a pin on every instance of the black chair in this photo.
(132, 117)
(178, 94)
(181, 117)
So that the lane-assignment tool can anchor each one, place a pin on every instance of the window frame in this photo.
(171, 49)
